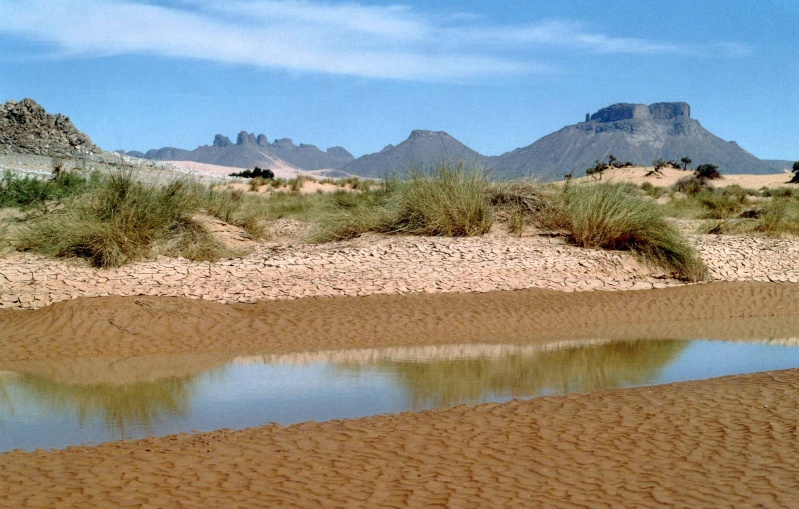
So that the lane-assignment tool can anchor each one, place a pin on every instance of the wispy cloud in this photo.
(397, 42)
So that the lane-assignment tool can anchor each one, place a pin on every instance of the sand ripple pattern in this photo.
(380, 265)
(707, 444)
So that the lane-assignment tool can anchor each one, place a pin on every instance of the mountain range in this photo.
(637, 133)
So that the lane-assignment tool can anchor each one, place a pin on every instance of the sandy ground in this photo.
(728, 442)
(281, 170)
(669, 176)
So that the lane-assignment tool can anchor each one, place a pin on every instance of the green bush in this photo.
(609, 216)
(257, 172)
(707, 172)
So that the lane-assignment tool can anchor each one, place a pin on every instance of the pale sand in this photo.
(728, 442)
(669, 176)
(280, 169)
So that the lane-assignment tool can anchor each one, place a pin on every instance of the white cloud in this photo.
(396, 42)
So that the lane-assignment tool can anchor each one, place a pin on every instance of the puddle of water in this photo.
(50, 405)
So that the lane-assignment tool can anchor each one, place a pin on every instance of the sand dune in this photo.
(669, 176)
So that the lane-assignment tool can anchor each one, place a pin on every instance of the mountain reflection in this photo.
(122, 407)
(449, 382)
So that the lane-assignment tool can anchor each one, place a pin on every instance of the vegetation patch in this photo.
(610, 216)
(120, 219)
(451, 200)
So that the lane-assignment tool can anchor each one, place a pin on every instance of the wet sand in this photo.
(730, 442)
(128, 326)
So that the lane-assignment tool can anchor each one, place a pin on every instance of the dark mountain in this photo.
(422, 150)
(631, 132)
(26, 128)
(251, 150)
(308, 157)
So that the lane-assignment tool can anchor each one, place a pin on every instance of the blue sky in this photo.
(139, 74)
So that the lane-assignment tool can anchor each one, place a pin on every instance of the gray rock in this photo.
(26, 128)
(222, 141)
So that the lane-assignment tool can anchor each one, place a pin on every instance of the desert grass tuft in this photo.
(609, 216)
(774, 218)
(451, 200)
(121, 219)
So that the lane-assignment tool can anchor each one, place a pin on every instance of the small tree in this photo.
(659, 164)
(795, 170)
(685, 162)
(707, 172)
(597, 169)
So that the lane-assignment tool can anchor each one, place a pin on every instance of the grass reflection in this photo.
(578, 369)
(121, 407)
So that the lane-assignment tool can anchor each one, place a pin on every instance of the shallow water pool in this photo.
(53, 405)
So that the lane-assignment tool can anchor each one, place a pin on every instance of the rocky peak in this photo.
(245, 138)
(262, 141)
(222, 141)
(285, 144)
(27, 128)
(418, 134)
(339, 152)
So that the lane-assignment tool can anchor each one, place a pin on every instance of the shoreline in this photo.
(687, 444)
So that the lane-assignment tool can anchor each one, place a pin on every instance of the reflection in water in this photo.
(444, 383)
(120, 407)
(54, 404)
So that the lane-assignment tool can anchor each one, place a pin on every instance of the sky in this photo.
(138, 74)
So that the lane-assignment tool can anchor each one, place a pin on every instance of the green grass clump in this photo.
(452, 200)
(774, 218)
(29, 192)
(608, 216)
(246, 211)
(121, 219)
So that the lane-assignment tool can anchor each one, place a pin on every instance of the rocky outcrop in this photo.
(422, 150)
(26, 128)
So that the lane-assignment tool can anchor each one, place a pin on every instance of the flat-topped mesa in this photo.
(422, 133)
(656, 111)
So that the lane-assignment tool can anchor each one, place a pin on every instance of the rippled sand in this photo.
(729, 442)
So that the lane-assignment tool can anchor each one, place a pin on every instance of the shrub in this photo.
(30, 192)
(449, 201)
(608, 216)
(795, 171)
(777, 192)
(720, 205)
(234, 207)
(266, 174)
(691, 185)
(707, 172)
(121, 219)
